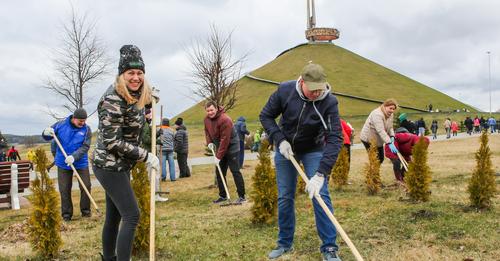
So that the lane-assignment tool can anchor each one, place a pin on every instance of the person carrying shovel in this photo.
(121, 112)
(404, 142)
(309, 131)
(74, 135)
(220, 134)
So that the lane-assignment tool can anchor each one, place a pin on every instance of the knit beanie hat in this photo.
(80, 113)
(130, 58)
(179, 121)
(165, 122)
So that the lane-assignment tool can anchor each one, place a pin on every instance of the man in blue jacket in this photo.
(74, 135)
(310, 131)
(241, 129)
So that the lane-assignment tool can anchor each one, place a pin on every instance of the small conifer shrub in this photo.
(141, 185)
(265, 192)
(372, 170)
(482, 185)
(340, 172)
(301, 185)
(418, 178)
(44, 223)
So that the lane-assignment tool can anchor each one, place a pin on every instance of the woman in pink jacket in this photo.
(454, 128)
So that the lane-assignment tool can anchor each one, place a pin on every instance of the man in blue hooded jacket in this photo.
(310, 131)
(241, 129)
(75, 136)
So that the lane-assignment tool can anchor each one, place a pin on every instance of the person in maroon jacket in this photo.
(220, 134)
(404, 142)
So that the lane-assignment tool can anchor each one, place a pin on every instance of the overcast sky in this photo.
(440, 43)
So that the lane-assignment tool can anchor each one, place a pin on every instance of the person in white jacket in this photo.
(378, 127)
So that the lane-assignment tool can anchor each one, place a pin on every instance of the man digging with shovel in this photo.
(310, 131)
(74, 135)
(220, 134)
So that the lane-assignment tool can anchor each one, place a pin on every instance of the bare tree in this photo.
(79, 60)
(214, 70)
(29, 141)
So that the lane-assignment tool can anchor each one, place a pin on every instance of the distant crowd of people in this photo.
(451, 127)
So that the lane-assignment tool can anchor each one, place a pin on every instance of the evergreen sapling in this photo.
(44, 223)
(482, 185)
(372, 170)
(265, 192)
(418, 178)
(141, 185)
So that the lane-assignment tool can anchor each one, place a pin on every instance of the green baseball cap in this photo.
(314, 77)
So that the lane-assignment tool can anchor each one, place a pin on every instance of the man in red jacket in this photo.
(220, 134)
(404, 142)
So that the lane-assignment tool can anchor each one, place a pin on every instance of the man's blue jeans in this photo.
(167, 156)
(286, 177)
(421, 131)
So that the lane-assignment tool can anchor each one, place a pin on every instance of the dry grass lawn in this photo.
(383, 227)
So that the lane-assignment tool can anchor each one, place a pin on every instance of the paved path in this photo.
(357, 146)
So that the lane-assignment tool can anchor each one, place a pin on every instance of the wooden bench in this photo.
(7, 187)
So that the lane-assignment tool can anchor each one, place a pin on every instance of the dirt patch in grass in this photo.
(423, 214)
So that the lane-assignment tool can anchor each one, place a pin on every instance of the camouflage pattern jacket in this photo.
(119, 135)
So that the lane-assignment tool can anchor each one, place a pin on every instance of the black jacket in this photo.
(308, 126)
(420, 124)
(408, 125)
(181, 140)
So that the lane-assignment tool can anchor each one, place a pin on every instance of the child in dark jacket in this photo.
(404, 142)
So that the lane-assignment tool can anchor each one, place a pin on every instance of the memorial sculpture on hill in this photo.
(314, 33)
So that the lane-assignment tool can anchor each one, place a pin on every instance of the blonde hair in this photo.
(390, 102)
(122, 90)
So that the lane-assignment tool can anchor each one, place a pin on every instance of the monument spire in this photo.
(314, 33)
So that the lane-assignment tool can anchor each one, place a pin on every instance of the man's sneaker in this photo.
(158, 198)
(219, 200)
(240, 201)
(67, 218)
(279, 251)
(330, 255)
(86, 214)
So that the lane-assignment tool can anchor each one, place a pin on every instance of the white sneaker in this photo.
(158, 198)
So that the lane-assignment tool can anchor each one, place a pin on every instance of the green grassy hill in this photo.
(346, 71)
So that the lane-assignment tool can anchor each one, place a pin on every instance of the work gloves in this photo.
(216, 160)
(315, 184)
(393, 148)
(286, 149)
(49, 131)
(69, 160)
(153, 161)
(211, 147)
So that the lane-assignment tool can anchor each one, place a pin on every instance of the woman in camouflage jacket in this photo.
(121, 121)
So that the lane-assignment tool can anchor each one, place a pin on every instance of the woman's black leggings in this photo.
(380, 151)
(121, 205)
